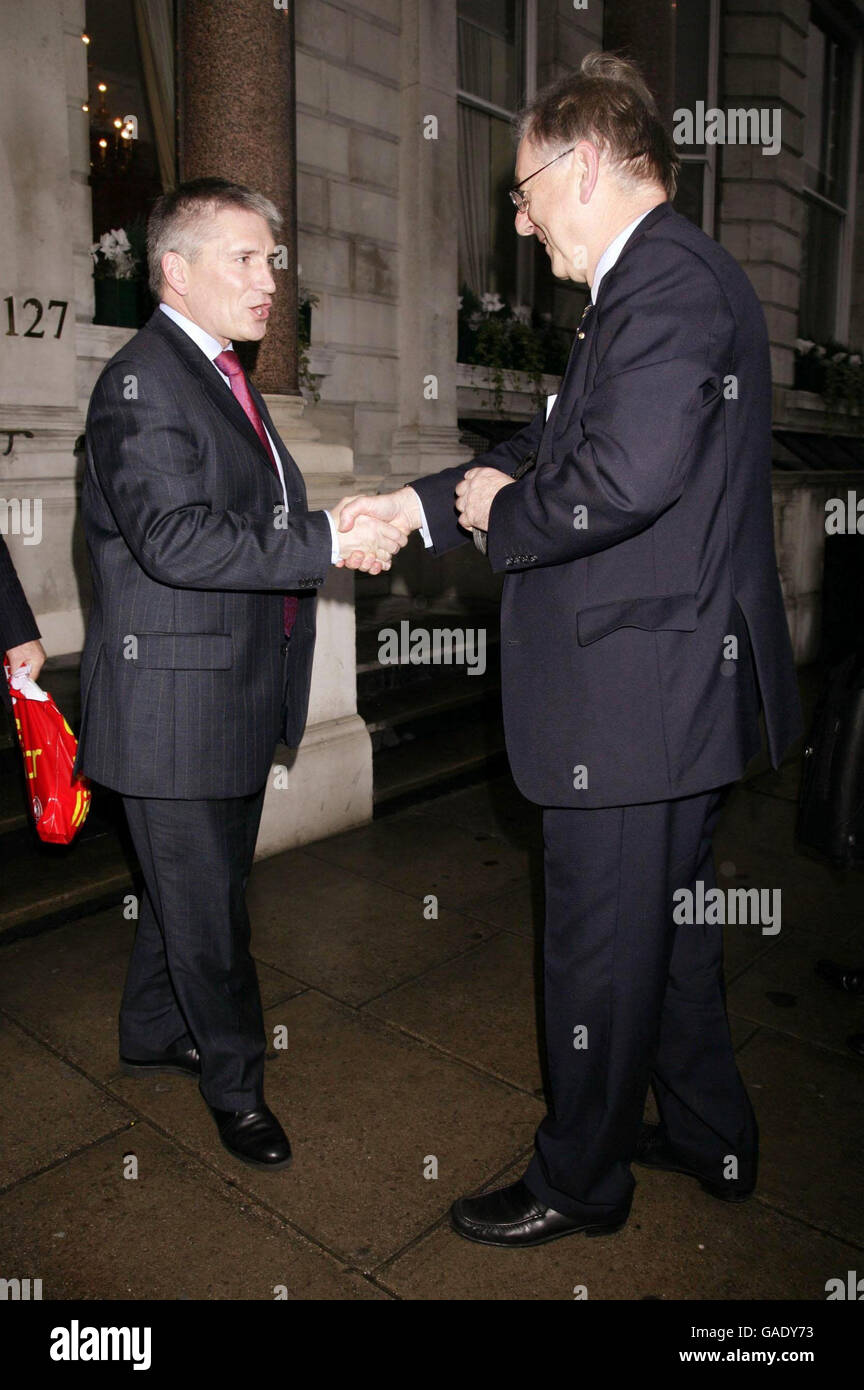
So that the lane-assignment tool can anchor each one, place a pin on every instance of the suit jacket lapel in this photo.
(573, 381)
(221, 395)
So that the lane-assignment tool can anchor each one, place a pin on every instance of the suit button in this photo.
(580, 335)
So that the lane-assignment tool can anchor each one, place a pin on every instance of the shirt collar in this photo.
(612, 252)
(210, 346)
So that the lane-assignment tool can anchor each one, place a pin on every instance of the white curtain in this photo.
(155, 23)
(474, 198)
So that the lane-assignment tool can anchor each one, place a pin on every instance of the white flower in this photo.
(855, 360)
(522, 312)
(114, 247)
(820, 351)
(491, 303)
(803, 344)
(839, 357)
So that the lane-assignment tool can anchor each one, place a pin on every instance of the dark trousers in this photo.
(191, 978)
(648, 993)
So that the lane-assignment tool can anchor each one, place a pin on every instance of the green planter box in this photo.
(117, 303)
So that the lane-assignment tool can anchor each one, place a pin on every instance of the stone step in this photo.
(439, 694)
(438, 751)
(45, 885)
(457, 654)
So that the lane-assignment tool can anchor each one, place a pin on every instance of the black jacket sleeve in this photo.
(17, 624)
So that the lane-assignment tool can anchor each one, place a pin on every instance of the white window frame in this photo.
(708, 159)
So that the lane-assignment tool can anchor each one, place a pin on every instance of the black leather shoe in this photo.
(652, 1152)
(185, 1063)
(514, 1216)
(254, 1136)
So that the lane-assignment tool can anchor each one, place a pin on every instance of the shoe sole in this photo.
(157, 1069)
(722, 1194)
(256, 1162)
(593, 1231)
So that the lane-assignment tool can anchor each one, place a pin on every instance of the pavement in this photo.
(404, 1066)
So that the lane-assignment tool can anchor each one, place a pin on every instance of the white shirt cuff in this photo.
(335, 555)
(424, 525)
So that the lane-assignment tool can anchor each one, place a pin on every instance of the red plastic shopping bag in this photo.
(58, 801)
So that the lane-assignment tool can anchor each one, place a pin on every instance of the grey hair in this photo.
(609, 102)
(178, 221)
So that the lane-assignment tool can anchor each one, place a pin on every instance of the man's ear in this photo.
(175, 272)
(587, 160)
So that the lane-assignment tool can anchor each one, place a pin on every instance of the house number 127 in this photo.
(34, 331)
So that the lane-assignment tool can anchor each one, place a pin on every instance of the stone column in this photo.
(236, 101)
(427, 438)
(237, 121)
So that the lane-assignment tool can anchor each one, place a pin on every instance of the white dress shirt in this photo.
(211, 348)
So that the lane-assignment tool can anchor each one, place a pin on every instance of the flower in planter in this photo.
(507, 340)
(834, 372)
(113, 256)
(491, 303)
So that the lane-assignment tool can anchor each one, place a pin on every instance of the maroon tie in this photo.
(229, 363)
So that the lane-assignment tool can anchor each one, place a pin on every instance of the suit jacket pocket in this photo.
(655, 612)
(183, 651)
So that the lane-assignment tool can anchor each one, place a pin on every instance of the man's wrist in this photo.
(413, 507)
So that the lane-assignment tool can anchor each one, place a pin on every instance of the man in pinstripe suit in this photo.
(206, 563)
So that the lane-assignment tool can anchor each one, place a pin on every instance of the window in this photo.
(491, 88)
(697, 29)
(826, 245)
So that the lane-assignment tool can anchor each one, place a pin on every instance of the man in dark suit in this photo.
(19, 634)
(642, 625)
(198, 658)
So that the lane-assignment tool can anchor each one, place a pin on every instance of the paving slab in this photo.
(49, 1109)
(781, 991)
(344, 934)
(366, 1108)
(803, 1171)
(754, 846)
(678, 1244)
(66, 986)
(495, 807)
(176, 1231)
(481, 1007)
(520, 909)
(420, 856)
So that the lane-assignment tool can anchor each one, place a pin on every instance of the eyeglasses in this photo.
(519, 199)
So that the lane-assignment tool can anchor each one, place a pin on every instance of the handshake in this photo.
(373, 529)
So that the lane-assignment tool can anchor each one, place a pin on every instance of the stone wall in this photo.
(348, 96)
